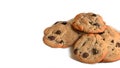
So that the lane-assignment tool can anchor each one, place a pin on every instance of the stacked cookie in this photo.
(61, 34)
(92, 40)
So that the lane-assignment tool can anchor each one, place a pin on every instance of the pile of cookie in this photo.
(87, 33)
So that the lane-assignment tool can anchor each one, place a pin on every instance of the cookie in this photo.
(90, 48)
(112, 38)
(89, 23)
(60, 35)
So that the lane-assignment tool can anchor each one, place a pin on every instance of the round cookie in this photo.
(90, 48)
(89, 23)
(60, 35)
(112, 38)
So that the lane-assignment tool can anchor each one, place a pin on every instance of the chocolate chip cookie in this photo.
(112, 38)
(89, 23)
(90, 48)
(61, 34)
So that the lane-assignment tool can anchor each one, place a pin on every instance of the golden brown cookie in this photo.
(61, 35)
(90, 48)
(89, 23)
(112, 38)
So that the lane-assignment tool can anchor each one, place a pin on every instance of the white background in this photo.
(22, 23)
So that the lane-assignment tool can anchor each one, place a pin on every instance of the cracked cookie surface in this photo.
(61, 35)
(90, 48)
(112, 38)
(89, 23)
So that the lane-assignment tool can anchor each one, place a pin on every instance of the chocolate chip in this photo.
(58, 32)
(91, 23)
(96, 24)
(75, 51)
(94, 51)
(94, 15)
(117, 44)
(61, 41)
(51, 37)
(56, 22)
(84, 43)
(64, 23)
(80, 52)
(104, 39)
(101, 33)
(96, 42)
(113, 49)
(85, 55)
(112, 41)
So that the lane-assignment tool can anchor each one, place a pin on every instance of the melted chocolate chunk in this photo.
(80, 52)
(84, 43)
(61, 41)
(103, 39)
(91, 23)
(85, 55)
(96, 24)
(117, 44)
(58, 32)
(113, 49)
(94, 15)
(75, 51)
(51, 37)
(96, 42)
(112, 41)
(64, 23)
(94, 51)
(101, 33)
